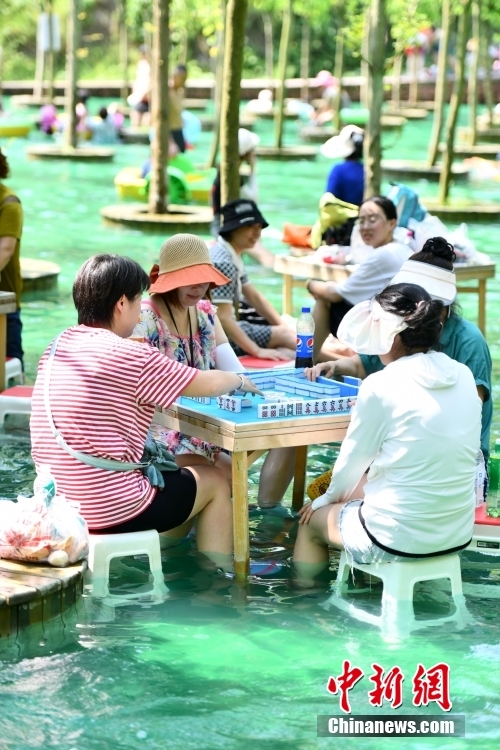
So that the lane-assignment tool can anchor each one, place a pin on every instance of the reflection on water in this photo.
(217, 665)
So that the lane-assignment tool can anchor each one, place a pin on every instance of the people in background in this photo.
(101, 395)
(141, 90)
(416, 427)
(346, 180)
(175, 97)
(11, 228)
(377, 221)
(267, 337)
(103, 128)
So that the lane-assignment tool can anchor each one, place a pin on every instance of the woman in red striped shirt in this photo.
(103, 389)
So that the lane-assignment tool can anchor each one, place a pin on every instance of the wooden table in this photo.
(7, 305)
(249, 441)
(306, 267)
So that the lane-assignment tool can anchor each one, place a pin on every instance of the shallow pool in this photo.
(217, 665)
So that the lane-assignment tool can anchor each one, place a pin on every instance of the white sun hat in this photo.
(344, 144)
(247, 141)
(438, 282)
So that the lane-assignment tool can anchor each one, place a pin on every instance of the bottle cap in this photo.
(308, 310)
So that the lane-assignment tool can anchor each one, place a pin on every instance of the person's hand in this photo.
(271, 354)
(248, 387)
(323, 368)
(305, 513)
(316, 289)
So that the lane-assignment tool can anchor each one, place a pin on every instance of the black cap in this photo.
(240, 213)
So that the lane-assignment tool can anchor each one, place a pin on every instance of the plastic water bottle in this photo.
(480, 477)
(305, 339)
(493, 500)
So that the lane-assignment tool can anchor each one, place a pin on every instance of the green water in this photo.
(217, 666)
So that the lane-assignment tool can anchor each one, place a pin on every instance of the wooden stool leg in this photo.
(240, 514)
(3, 349)
(481, 314)
(287, 294)
(299, 479)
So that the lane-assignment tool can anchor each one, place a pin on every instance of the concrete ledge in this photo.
(407, 112)
(414, 170)
(317, 133)
(135, 135)
(456, 212)
(39, 275)
(80, 153)
(287, 153)
(32, 593)
(485, 150)
(179, 218)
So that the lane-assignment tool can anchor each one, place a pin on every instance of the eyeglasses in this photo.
(369, 220)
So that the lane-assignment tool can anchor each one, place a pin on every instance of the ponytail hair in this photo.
(421, 314)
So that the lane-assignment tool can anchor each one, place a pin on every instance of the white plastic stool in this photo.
(104, 547)
(399, 578)
(16, 400)
(13, 371)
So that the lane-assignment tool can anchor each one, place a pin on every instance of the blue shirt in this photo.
(347, 181)
(462, 341)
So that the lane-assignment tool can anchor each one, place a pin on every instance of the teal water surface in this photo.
(217, 665)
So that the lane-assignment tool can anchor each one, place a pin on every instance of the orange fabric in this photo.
(297, 235)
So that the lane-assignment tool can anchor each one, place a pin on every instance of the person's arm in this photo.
(11, 224)
(7, 247)
(372, 274)
(351, 366)
(217, 383)
(237, 334)
(360, 447)
(263, 307)
(326, 290)
(220, 334)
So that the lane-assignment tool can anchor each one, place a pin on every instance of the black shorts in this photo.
(142, 107)
(337, 312)
(170, 507)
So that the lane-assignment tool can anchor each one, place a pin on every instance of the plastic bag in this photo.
(43, 528)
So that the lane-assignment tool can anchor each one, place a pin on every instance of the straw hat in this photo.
(184, 261)
(344, 144)
(438, 282)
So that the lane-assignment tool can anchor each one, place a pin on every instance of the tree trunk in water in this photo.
(456, 98)
(40, 65)
(158, 188)
(219, 70)
(396, 86)
(236, 13)
(50, 54)
(305, 55)
(377, 26)
(339, 64)
(363, 89)
(440, 89)
(268, 45)
(486, 37)
(123, 42)
(413, 88)
(472, 83)
(72, 41)
(286, 30)
(183, 48)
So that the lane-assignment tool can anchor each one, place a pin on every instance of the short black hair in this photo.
(100, 283)
(421, 314)
(385, 204)
(180, 68)
(103, 113)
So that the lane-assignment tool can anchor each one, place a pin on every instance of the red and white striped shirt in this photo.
(103, 393)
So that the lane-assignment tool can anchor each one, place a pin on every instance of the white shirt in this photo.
(374, 273)
(417, 425)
